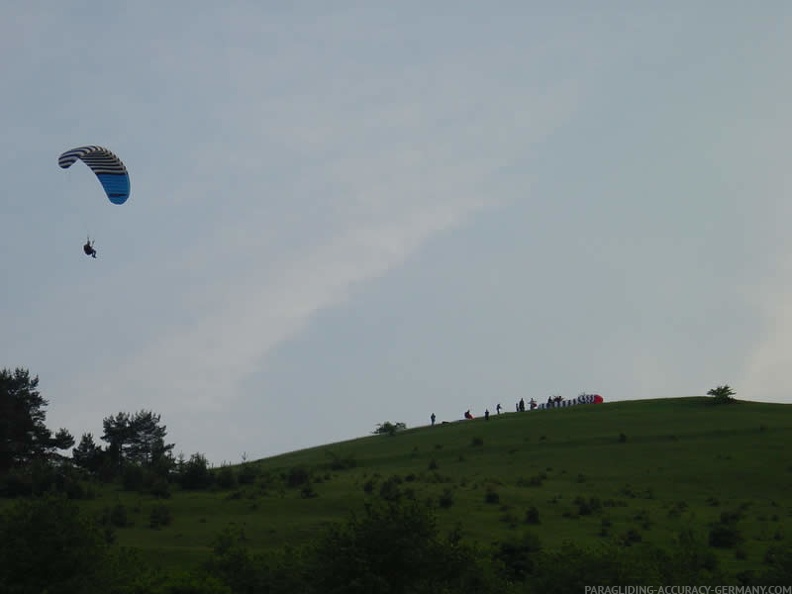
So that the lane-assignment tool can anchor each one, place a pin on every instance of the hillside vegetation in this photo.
(621, 472)
(680, 490)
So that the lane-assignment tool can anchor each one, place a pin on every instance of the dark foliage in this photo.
(516, 558)
(195, 473)
(137, 439)
(722, 394)
(24, 436)
(388, 428)
(393, 548)
(46, 545)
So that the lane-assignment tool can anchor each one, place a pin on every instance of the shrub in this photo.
(722, 394)
(368, 486)
(133, 477)
(297, 477)
(160, 516)
(159, 487)
(724, 533)
(247, 474)
(117, 516)
(446, 499)
(532, 515)
(632, 536)
(533, 481)
(308, 492)
(392, 547)
(516, 558)
(586, 507)
(389, 490)
(388, 428)
(195, 473)
(48, 545)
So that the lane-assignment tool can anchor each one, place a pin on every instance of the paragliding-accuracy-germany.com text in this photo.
(688, 590)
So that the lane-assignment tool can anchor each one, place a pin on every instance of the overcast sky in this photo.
(351, 212)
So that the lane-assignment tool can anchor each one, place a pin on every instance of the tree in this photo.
(87, 454)
(137, 439)
(195, 473)
(24, 437)
(722, 394)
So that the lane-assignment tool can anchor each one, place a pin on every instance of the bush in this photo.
(368, 486)
(308, 492)
(516, 559)
(446, 499)
(532, 515)
(195, 473)
(722, 394)
(226, 478)
(47, 545)
(160, 516)
(631, 537)
(159, 487)
(297, 477)
(394, 547)
(133, 478)
(586, 507)
(389, 490)
(779, 562)
(724, 536)
(533, 481)
(247, 474)
(40, 477)
(491, 497)
(116, 516)
(388, 428)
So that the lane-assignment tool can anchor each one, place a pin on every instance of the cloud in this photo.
(250, 287)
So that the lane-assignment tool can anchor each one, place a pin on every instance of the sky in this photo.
(352, 212)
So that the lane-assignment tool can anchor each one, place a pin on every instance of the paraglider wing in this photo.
(108, 168)
(598, 399)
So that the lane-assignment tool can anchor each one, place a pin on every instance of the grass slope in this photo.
(594, 474)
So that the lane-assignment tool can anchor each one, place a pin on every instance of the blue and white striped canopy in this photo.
(107, 166)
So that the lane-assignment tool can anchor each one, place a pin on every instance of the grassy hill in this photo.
(618, 472)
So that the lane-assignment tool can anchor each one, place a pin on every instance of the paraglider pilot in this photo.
(89, 249)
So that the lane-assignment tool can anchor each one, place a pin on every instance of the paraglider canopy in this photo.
(597, 399)
(109, 169)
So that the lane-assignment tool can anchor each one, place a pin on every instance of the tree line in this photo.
(134, 449)
(393, 545)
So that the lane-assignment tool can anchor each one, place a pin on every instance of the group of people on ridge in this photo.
(552, 401)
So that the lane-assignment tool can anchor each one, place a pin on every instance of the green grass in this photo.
(650, 468)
